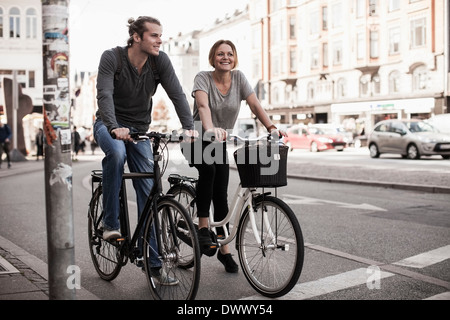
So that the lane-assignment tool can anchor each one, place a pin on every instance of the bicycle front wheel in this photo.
(165, 264)
(106, 256)
(270, 246)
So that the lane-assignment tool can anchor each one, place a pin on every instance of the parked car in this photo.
(410, 138)
(329, 128)
(313, 138)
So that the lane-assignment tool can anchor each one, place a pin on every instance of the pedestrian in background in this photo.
(76, 138)
(5, 141)
(39, 140)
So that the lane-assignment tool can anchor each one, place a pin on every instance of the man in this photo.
(125, 105)
(5, 140)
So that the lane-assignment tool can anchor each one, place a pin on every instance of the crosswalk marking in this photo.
(426, 259)
(362, 276)
(441, 296)
(328, 284)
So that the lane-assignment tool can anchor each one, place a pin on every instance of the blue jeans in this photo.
(139, 157)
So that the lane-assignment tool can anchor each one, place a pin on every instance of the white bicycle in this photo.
(269, 239)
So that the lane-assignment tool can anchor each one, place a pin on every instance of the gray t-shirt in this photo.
(224, 108)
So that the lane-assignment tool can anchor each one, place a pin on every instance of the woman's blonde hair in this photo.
(212, 52)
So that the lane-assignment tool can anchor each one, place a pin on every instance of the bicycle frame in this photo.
(242, 199)
(128, 241)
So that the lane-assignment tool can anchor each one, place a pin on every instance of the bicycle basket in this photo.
(262, 165)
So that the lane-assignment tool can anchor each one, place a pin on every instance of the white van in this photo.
(441, 122)
(245, 128)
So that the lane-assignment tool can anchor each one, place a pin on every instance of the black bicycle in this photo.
(171, 255)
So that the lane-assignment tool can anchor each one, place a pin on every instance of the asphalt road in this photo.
(362, 242)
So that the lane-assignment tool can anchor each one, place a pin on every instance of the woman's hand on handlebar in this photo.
(217, 134)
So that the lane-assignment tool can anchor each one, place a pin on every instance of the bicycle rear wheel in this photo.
(185, 195)
(105, 255)
(273, 265)
(167, 275)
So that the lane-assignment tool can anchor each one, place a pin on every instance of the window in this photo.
(31, 25)
(325, 54)
(394, 5)
(314, 57)
(324, 18)
(360, 8)
(373, 7)
(364, 83)
(341, 88)
(394, 82)
(337, 15)
(394, 40)
(314, 23)
(374, 44)
(310, 91)
(360, 46)
(292, 28)
(293, 60)
(418, 32)
(14, 23)
(1, 23)
(420, 78)
(337, 53)
(376, 84)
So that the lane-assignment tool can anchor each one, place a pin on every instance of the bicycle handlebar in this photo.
(267, 136)
(141, 136)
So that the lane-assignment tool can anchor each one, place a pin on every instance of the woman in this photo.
(218, 95)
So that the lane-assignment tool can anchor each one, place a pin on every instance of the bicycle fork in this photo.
(264, 228)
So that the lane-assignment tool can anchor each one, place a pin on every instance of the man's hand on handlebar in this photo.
(121, 134)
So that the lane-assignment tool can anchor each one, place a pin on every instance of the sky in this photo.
(97, 25)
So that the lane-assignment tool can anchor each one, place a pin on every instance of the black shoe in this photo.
(207, 246)
(228, 262)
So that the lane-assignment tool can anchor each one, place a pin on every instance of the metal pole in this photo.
(58, 163)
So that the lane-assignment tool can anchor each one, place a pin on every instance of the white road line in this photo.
(294, 199)
(330, 284)
(361, 276)
(441, 296)
(426, 259)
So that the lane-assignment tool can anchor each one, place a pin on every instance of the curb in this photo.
(391, 185)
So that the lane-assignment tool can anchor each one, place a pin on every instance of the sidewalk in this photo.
(24, 277)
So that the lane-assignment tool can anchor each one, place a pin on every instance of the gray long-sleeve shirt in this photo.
(128, 100)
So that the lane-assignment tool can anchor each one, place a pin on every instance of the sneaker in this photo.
(207, 247)
(160, 275)
(111, 234)
(228, 262)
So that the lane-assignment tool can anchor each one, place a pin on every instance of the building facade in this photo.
(21, 50)
(350, 62)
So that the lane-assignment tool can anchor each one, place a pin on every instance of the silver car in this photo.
(410, 138)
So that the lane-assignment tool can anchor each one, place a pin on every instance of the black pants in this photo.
(4, 147)
(213, 178)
